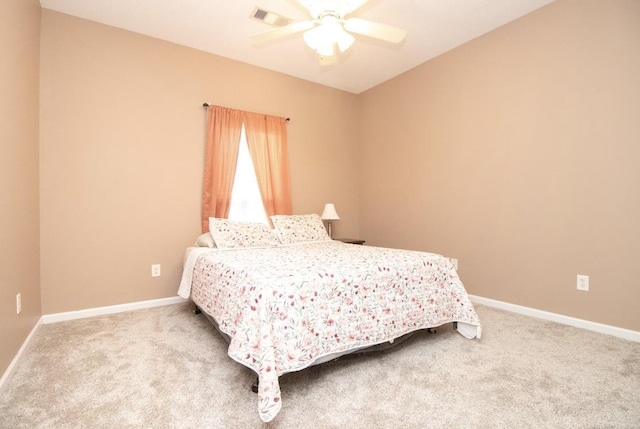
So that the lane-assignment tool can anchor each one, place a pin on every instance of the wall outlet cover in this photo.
(582, 282)
(155, 270)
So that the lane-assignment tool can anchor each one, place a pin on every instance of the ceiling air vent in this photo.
(270, 18)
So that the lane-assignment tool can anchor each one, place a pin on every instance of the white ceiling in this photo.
(224, 27)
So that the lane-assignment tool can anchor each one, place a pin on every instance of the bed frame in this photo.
(375, 348)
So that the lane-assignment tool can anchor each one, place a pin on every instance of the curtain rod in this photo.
(207, 105)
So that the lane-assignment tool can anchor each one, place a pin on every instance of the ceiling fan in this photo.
(329, 27)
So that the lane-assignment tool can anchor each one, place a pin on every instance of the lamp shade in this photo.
(329, 212)
(329, 33)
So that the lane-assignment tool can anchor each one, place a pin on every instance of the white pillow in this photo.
(299, 228)
(229, 234)
(205, 240)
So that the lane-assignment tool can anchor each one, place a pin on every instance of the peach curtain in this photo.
(267, 141)
(221, 156)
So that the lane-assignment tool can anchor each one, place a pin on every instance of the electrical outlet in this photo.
(155, 270)
(454, 261)
(583, 282)
(19, 303)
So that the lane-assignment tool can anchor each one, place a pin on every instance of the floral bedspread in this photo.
(284, 307)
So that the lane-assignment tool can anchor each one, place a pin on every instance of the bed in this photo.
(290, 297)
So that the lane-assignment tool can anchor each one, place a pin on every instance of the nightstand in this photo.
(350, 240)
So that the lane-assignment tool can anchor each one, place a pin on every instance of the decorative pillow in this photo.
(205, 240)
(299, 228)
(229, 233)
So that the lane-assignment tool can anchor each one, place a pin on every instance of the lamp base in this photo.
(330, 232)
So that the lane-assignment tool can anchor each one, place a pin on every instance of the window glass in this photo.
(246, 202)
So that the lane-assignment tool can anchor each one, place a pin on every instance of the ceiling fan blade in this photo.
(376, 30)
(269, 35)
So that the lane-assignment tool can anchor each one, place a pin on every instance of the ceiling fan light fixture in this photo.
(339, 7)
(313, 38)
(344, 40)
(325, 49)
(329, 33)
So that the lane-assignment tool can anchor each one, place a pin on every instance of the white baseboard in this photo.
(15, 360)
(101, 311)
(532, 312)
(627, 334)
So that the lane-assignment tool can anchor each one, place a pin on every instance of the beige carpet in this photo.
(167, 368)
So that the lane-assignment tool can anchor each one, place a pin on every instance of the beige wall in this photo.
(519, 154)
(19, 254)
(122, 156)
(516, 153)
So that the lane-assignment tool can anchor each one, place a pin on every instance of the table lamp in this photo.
(329, 214)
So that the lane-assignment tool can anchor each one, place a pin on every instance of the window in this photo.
(246, 202)
(264, 160)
